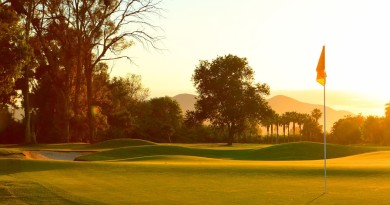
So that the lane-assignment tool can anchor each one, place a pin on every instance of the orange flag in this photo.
(321, 74)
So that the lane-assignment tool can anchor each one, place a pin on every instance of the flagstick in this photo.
(324, 143)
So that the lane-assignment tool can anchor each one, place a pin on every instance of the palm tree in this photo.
(294, 119)
(289, 119)
(300, 121)
(267, 123)
(276, 119)
(316, 114)
(284, 123)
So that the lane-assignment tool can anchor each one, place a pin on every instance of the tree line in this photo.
(53, 57)
(293, 126)
(362, 130)
(53, 60)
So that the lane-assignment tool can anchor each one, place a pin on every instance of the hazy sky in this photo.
(282, 40)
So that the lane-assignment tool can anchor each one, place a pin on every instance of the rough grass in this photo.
(291, 151)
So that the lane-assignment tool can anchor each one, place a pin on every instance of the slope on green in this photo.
(123, 142)
(290, 151)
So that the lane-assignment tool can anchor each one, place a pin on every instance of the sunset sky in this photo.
(282, 40)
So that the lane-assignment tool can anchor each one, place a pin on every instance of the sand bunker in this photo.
(53, 155)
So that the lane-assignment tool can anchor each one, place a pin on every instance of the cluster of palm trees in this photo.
(307, 124)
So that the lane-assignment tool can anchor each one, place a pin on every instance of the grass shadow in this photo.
(316, 198)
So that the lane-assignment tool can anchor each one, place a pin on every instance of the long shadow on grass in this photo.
(12, 166)
(315, 199)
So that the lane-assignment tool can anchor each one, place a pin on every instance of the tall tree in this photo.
(127, 96)
(316, 114)
(347, 130)
(284, 123)
(228, 95)
(25, 9)
(161, 120)
(105, 27)
(373, 130)
(13, 52)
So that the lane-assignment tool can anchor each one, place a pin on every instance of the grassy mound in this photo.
(291, 151)
(116, 143)
(309, 151)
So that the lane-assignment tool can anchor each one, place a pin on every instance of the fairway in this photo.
(184, 179)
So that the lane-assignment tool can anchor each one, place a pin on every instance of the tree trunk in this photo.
(29, 139)
(288, 132)
(293, 130)
(230, 135)
(230, 138)
(91, 126)
(27, 114)
(267, 134)
(78, 79)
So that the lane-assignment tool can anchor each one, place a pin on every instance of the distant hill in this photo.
(280, 104)
(186, 101)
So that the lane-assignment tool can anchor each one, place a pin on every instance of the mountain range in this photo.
(280, 104)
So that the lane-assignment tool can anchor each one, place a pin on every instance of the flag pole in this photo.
(324, 143)
(321, 78)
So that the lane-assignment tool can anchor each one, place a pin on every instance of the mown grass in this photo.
(174, 178)
(290, 151)
(194, 182)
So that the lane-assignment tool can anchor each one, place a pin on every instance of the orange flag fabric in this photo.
(321, 74)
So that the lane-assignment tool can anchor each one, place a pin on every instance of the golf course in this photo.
(129, 171)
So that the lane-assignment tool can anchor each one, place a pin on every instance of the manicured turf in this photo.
(351, 180)
(178, 178)
(291, 151)
(120, 143)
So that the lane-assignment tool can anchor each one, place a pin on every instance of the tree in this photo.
(13, 52)
(311, 129)
(127, 96)
(373, 130)
(228, 96)
(387, 114)
(162, 118)
(276, 120)
(300, 121)
(105, 27)
(316, 114)
(347, 130)
(387, 124)
(24, 82)
(284, 122)
(10, 130)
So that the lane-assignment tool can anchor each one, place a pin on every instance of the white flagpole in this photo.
(324, 143)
